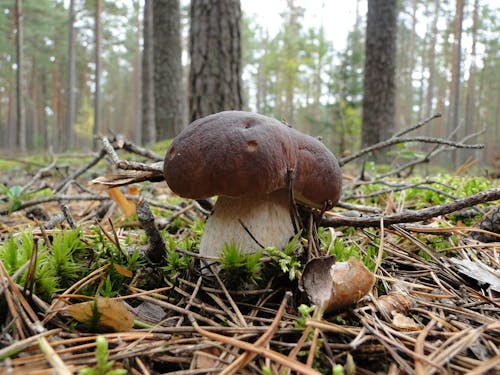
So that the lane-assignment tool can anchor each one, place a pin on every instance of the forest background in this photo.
(448, 62)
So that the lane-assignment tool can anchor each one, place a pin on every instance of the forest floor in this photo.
(73, 270)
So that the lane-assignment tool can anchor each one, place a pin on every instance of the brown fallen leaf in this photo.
(102, 314)
(405, 323)
(205, 359)
(333, 286)
(126, 206)
(122, 270)
(397, 301)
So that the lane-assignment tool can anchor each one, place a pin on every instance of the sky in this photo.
(337, 19)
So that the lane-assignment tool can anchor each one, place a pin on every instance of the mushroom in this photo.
(250, 162)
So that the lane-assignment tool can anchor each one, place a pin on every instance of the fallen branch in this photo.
(413, 216)
(397, 140)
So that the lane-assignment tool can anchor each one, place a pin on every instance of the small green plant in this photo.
(266, 370)
(338, 370)
(238, 268)
(14, 195)
(62, 257)
(287, 259)
(176, 262)
(103, 366)
(343, 252)
(305, 313)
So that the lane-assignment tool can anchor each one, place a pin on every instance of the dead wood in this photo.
(413, 216)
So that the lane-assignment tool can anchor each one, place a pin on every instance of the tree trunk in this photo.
(43, 112)
(148, 131)
(136, 126)
(21, 121)
(291, 65)
(215, 48)
(470, 104)
(454, 98)
(55, 139)
(168, 85)
(30, 115)
(380, 64)
(97, 95)
(407, 115)
(70, 94)
(432, 61)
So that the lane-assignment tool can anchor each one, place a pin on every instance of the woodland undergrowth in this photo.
(80, 294)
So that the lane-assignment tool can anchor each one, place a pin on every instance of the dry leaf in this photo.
(122, 270)
(478, 271)
(103, 314)
(205, 359)
(126, 206)
(333, 285)
(133, 190)
(403, 322)
(397, 301)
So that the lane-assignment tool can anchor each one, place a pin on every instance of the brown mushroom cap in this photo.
(236, 153)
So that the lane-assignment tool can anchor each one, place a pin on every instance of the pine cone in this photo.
(491, 223)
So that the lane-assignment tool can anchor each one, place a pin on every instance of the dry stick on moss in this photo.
(246, 357)
(268, 353)
(411, 217)
(156, 249)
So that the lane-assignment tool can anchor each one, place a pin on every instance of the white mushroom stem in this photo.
(266, 217)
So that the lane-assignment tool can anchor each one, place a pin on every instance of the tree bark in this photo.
(379, 79)
(21, 121)
(432, 60)
(70, 109)
(137, 112)
(470, 101)
(148, 134)
(168, 85)
(215, 48)
(454, 94)
(97, 96)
